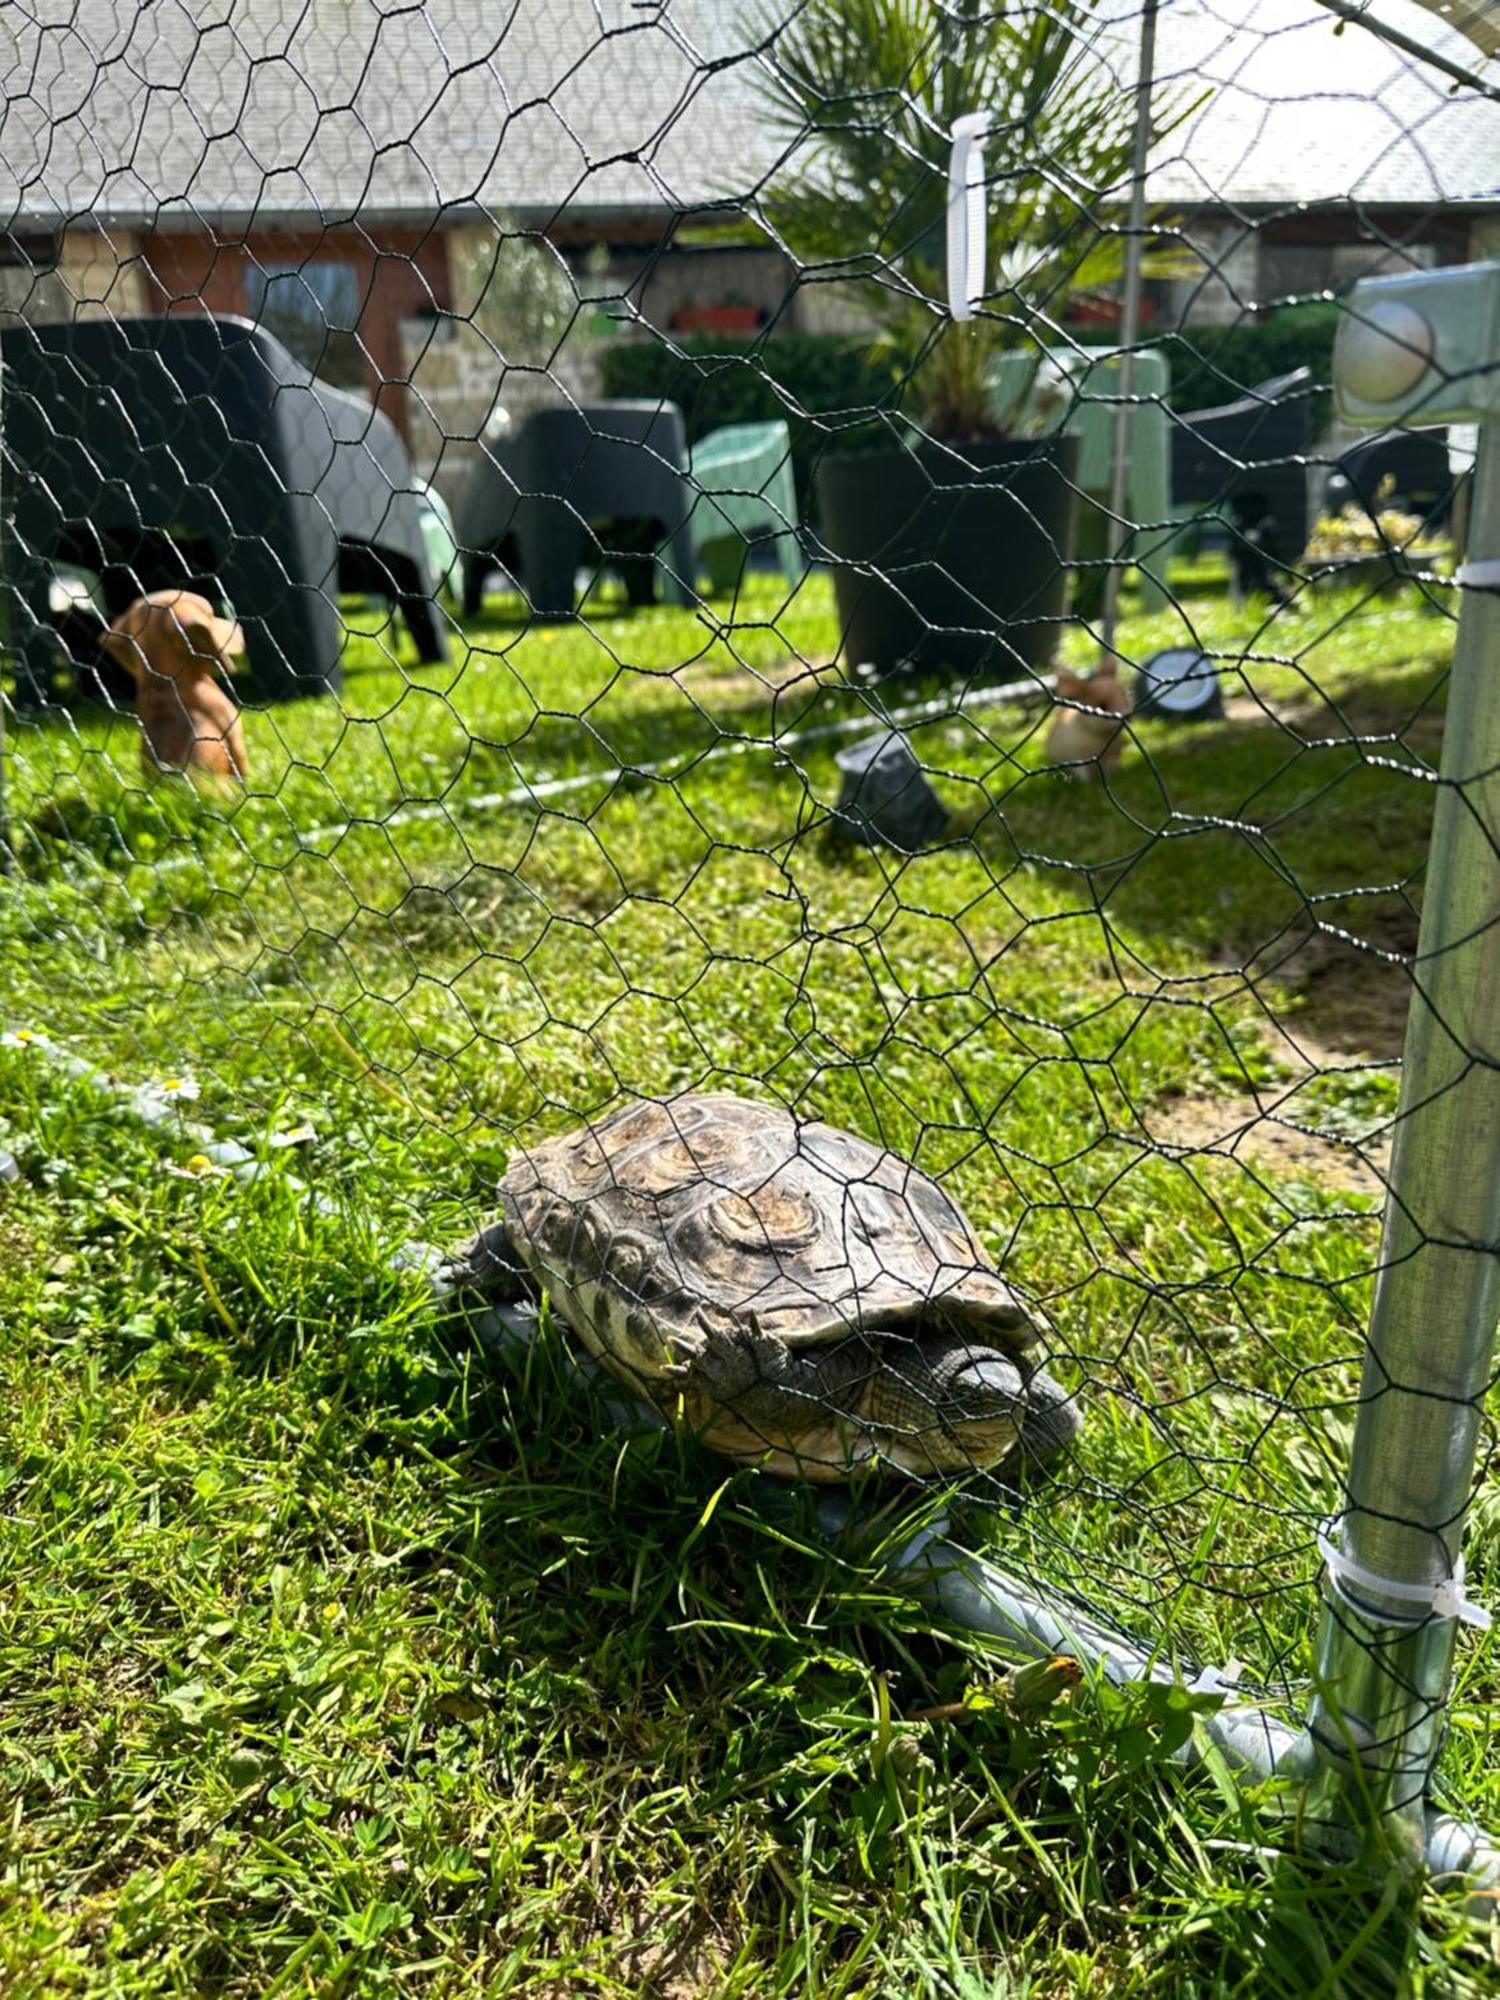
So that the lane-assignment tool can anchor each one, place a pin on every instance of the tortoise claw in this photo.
(489, 1265)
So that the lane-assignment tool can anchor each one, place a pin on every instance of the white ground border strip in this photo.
(158, 1105)
(537, 791)
(1028, 689)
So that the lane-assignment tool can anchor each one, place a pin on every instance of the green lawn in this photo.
(338, 1658)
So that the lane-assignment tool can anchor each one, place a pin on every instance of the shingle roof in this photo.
(146, 110)
(1302, 109)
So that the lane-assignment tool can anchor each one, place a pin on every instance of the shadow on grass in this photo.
(1287, 849)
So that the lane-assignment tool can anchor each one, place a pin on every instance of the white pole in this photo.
(1130, 324)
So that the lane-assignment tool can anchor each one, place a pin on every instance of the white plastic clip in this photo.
(966, 216)
(1482, 575)
(1218, 1680)
(1447, 1599)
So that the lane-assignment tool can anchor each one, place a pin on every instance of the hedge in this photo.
(1214, 364)
(717, 379)
(830, 387)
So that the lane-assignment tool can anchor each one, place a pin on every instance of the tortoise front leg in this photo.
(796, 1414)
(489, 1265)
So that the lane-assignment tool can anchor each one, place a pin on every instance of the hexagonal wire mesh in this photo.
(660, 635)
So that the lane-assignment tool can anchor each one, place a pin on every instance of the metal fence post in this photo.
(7, 855)
(1426, 348)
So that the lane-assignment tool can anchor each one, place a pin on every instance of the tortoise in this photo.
(808, 1302)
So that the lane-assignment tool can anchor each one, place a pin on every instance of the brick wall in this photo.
(399, 273)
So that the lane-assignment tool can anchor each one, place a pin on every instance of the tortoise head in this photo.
(941, 1402)
(947, 1402)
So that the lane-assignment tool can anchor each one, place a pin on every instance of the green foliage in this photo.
(865, 94)
(515, 296)
(1216, 364)
(826, 386)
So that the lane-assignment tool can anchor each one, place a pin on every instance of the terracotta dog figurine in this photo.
(177, 647)
(1081, 738)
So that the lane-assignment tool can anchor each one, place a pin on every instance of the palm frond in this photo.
(863, 94)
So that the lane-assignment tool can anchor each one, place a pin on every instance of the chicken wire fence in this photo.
(673, 653)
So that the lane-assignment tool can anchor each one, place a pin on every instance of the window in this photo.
(313, 310)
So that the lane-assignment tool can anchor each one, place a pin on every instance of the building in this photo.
(335, 167)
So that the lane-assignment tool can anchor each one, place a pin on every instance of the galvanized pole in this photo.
(1130, 327)
(1427, 347)
(7, 630)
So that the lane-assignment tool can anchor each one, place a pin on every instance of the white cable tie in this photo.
(1218, 1680)
(966, 213)
(1447, 1599)
(1482, 575)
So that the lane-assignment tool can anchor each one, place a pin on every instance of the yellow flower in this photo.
(200, 1163)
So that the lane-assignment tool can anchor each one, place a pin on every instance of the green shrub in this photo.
(1215, 364)
(828, 387)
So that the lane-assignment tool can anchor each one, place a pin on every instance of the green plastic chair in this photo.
(1089, 408)
(1094, 416)
(745, 491)
(436, 523)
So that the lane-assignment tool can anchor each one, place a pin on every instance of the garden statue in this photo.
(177, 649)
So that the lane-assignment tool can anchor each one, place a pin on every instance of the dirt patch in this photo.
(1342, 998)
(1349, 1005)
(716, 688)
(1416, 727)
(1258, 1135)
(1336, 1013)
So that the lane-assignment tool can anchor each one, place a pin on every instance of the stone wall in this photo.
(97, 273)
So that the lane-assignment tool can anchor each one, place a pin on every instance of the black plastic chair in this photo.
(198, 452)
(1417, 461)
(604, 485)
(1248, 459)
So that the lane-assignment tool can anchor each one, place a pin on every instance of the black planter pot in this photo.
(951, 559)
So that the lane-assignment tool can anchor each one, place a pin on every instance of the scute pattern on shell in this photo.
(668, 1226)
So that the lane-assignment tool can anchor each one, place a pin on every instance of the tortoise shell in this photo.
(675, 1236)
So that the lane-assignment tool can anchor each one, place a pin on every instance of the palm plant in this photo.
(865, 93)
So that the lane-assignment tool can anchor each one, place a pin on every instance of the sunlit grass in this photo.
(360, 1660)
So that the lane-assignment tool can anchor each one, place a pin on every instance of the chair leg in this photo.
(549, 538)
(677, 560)
(476, 567)
(723, 562)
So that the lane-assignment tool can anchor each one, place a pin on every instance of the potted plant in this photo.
(1378, 549)
(952, 537)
